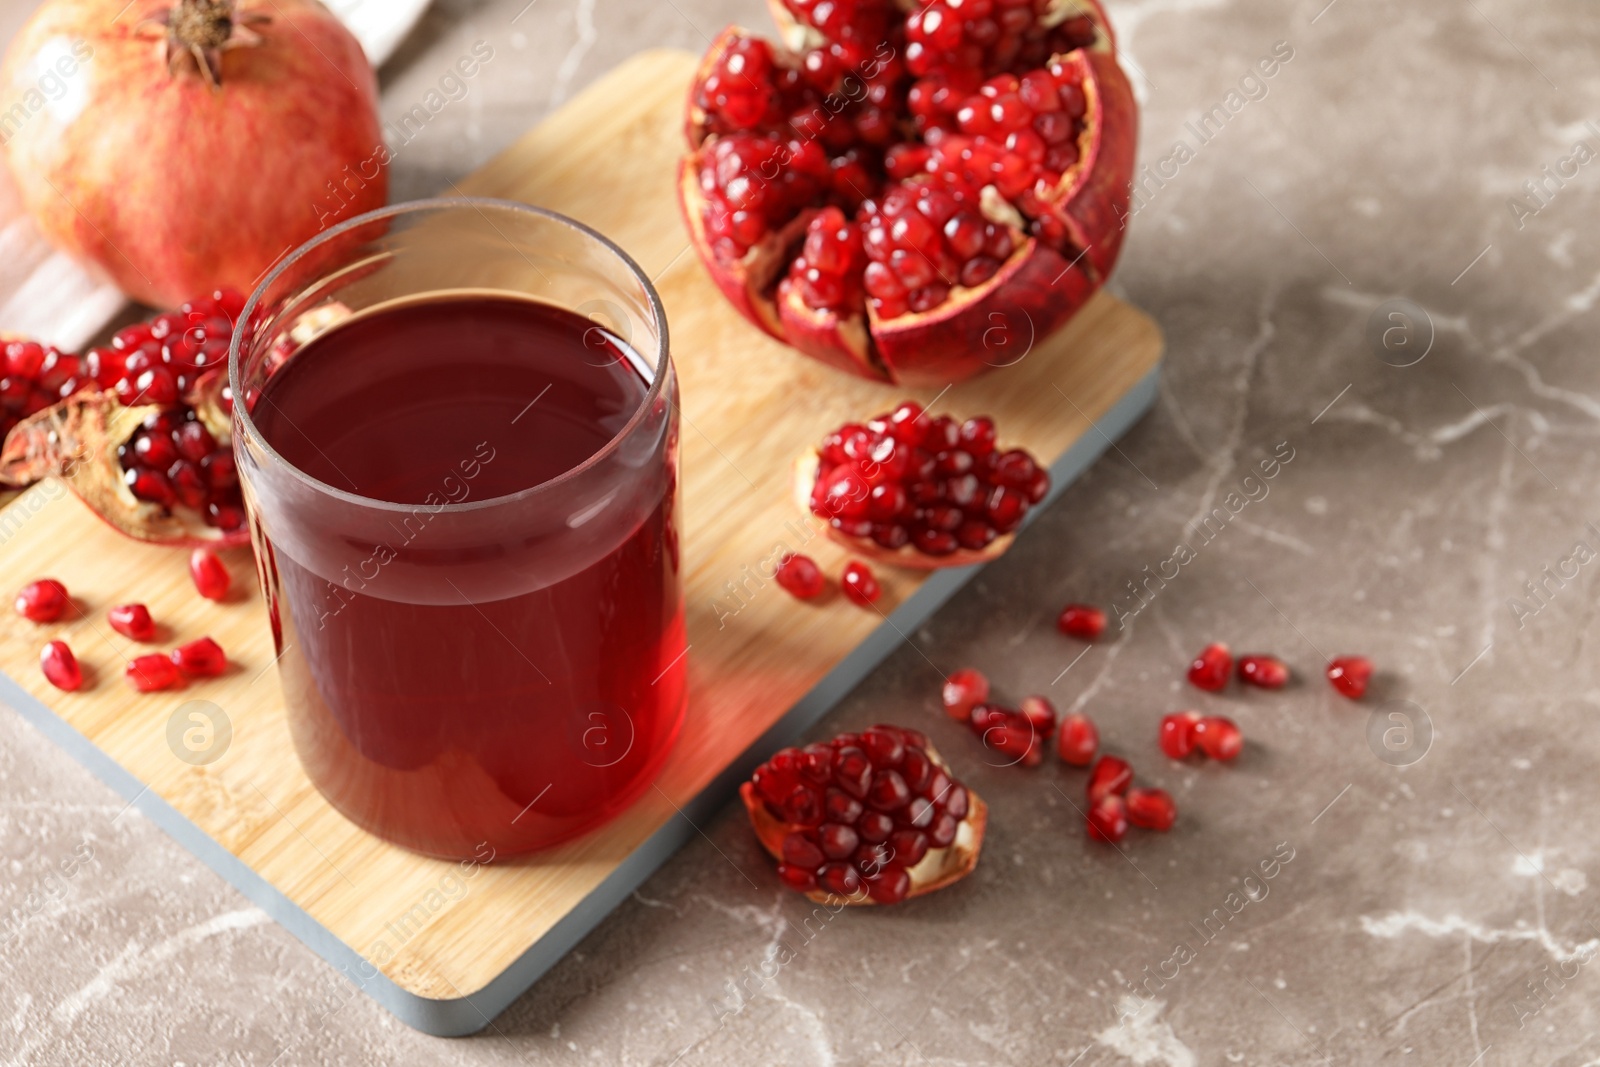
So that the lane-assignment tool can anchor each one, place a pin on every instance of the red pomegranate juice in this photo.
(462, 665)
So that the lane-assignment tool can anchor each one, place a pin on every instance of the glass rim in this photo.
(663, 366)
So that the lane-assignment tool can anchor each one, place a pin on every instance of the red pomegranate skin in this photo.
(174, 188)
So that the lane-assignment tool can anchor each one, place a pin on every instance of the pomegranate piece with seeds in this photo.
(1083, 621)
(1177, 733)
(45, 600)
(210, 574)
(200, 659)
(860, 584)
(1110, 775)
(962, 691)
(1211, 668)
(1267, 672)
(1218, 737)
(1152, 809)
(150, 673)
(60, 666)
(1350, 675)
(132, 621)
(1108, 819)
(1078, 741)
(867, 818)
(920, 491)
(140, 428)
(801, 576)
(880, 197)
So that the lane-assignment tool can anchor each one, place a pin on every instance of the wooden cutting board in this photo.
(447, 948)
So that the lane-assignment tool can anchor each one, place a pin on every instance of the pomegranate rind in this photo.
(804, 476)
(940, 868)
(749, 282)
(993, 325)
(76, 441)
(1094, 197)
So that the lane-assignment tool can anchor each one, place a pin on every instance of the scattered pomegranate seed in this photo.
(1218, 737)
(1211, 667)
(962, 690)
(211, 577)
(1040, 713)
(1152, 809)
(132, 621)
(43, 601)
(1083, 621)
(1108, 819)
(857, 813)
(1350, 674)
(1012, 733)
(60, 666)
(860, 584)
(1111, 775)
(150, 673)
(801, 576)
(1268, 672)
(200, 659)
(1177, 733)
(1078, 740)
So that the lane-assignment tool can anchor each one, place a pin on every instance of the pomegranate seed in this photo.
(891, 886)
(1152, 809)
(211, 577)
(1218, 737)
(150, 673)
(45, 600)
(801, 576)
(859, 583)
(1268, 672)
(962, 691)
(1009, 732)
(60, 666)
(200, 659)
(1211, 667)
(1078, 740)
(132, 621)
(1082, 621)
(1041, 715)
(1177, 733)
(1350, 674)
(1108, 819)
(1109, 775)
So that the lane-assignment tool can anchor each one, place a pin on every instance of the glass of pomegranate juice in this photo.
(456, 430)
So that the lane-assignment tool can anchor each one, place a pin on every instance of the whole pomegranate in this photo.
(913, 182)
(192, 142)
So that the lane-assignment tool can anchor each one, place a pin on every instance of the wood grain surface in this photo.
(750, 405)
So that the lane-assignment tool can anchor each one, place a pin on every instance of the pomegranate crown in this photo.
(202, 30)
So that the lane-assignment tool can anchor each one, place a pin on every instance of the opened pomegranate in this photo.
(911, 177)
(140, 427)
(917, 490)
(868, 818)
(205, 138)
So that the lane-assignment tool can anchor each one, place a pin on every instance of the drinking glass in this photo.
(505, 672)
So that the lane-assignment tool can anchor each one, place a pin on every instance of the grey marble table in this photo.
(1434, 911)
